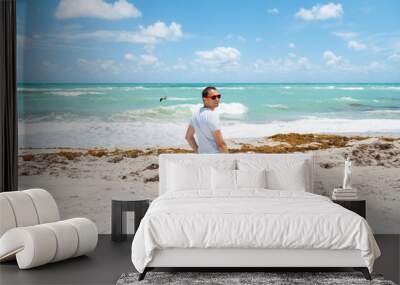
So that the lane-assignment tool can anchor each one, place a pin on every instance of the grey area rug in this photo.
(228, 278)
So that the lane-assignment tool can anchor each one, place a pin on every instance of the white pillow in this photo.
(285, 179)
(282, 174)
(223, 179)
(251, 178)
(183, 177)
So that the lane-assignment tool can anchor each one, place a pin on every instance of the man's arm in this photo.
(220, 141)
(190, 138)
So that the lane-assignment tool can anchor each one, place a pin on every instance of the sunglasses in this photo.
(213, 97)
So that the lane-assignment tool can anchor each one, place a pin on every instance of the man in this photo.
(205, 124)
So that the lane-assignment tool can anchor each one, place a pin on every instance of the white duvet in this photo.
(250, 219)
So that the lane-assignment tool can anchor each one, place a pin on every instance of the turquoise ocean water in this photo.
(131, 115)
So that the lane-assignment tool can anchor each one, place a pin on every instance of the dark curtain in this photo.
(8, 98)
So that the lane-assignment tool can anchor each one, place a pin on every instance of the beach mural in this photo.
(91, 126)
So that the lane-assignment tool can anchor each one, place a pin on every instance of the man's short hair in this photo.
(204, 93)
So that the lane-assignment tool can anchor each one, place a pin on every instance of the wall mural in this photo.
(106, 86)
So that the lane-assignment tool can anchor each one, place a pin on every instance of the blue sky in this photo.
(208, 41)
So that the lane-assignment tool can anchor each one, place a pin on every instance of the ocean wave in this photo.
(347, 99)
(232, 109)
(219, 88)
(181, 99)
(278, 106)
(313, 124)
(384, 111)
(190, 88)
(332, 87)
(74, 93)
(357, 105)
(351, 88)
(324, 87)
(180, 111)
(58, 117)
(234, 88)
(385, 88)
(49, 90)
(156, 114)
(167, 133)
(134, 88)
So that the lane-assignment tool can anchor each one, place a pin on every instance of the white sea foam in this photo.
(180, 111)
(384, 111)
(48, 89)
(324, 87)
(74, 93)
(278, 106)
(219, 88)
(149, 134)
(181, 99)
(232, 109)
(375, 101)
(26, 89)
(331, 87)
(287, 87)
(350, 88)
(191, 88)
(134, 88)
(234, 88)
(160, 113)
(386, 88)
(347, 98)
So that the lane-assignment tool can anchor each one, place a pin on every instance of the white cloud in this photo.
(99, 66)
(241, 38)
(273, 11)
(292, 45)
(285, 65)
(149, 35)
(50, 65)
(159, 30)
(331, 58)
(375, 65)
(180, 65)
(355, 45)
(258, 40)
(120, 9)
(345, 35)
(147, 59)
(129, 56)
(72, 27)
(321, 12)
(219, 55)
(394, 57)
(235, 37)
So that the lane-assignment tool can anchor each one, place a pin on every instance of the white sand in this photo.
(86, 185)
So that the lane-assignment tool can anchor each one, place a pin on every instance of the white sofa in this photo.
(31, 231)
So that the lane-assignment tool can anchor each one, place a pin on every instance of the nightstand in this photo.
(118, 217)
(357, 206)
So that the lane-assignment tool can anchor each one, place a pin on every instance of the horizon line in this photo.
(208, 82)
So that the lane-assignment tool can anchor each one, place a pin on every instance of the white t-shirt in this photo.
(205, 122)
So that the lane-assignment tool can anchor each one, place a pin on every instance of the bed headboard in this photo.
(212, 159)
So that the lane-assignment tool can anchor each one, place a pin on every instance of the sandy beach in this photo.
(84, 181)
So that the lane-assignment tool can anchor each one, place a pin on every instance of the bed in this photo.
(247, 210)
